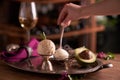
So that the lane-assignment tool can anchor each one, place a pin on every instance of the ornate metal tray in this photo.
(58, 67)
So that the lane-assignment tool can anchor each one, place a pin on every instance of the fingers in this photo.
(66, 15)
(64, 19)
(65, 25)
(66, 22)
(62, 15)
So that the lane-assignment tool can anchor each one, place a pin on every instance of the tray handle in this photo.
(104, 66)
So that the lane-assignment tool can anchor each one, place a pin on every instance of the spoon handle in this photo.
(61, 36)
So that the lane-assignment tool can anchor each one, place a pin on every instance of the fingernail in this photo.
(63, 24)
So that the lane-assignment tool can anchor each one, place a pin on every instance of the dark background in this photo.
(107, 41)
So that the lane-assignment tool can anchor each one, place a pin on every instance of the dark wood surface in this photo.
(9, 73)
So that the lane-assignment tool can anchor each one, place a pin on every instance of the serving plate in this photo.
(58, 67)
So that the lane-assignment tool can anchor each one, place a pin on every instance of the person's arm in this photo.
(106, 7)
(72, 12)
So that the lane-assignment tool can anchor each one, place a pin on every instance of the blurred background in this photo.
(98, 33)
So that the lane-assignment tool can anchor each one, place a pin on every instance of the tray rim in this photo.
(96, 68)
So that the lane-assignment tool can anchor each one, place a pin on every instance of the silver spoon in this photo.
(11, 48)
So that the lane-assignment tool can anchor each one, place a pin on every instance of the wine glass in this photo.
(28, 20)
(28, 16)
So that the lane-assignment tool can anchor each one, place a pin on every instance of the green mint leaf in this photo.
(43, 36)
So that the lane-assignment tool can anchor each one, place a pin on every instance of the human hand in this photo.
(70, 12)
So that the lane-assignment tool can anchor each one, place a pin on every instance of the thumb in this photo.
(66, 22)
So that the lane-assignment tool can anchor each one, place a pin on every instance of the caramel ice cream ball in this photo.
(46, 47)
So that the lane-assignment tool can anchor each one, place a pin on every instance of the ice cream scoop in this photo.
(61, 54)
(46, 47)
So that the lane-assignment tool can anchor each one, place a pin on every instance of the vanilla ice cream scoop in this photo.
(46, 47)
(61, 54)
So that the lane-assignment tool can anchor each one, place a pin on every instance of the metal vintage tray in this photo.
(58, 67)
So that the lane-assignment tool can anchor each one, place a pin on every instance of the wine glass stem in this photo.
(28, 35)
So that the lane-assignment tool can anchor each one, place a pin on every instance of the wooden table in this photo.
(9, 73)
